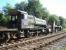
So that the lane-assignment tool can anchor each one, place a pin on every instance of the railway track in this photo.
(32, 43)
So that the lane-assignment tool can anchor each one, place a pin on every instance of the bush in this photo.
(4, 20)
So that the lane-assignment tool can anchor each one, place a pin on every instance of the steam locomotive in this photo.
(24, 25)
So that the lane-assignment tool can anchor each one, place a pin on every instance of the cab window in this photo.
(22, 16)
(25, 16)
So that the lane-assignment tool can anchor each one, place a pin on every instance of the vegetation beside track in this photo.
(64, 30)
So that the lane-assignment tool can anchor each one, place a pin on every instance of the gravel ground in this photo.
(59, 45)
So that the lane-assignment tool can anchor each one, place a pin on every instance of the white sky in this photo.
(57, 7)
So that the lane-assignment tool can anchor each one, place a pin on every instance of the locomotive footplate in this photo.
(8, 30)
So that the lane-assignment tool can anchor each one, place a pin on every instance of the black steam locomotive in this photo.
(24, 25)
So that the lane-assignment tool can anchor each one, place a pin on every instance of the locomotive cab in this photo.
(16, 19)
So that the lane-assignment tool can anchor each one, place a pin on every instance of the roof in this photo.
(14, 12)
(23, 12)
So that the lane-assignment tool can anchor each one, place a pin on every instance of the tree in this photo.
(61, 21)
(1, 18)
(51, 20)
(64, 23)
(22, 6)
(6, 18)
(33, 7)
(7, 9)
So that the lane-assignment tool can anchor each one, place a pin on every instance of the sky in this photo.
(11, 2)
(57, 7)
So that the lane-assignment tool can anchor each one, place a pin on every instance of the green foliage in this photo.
(52, 19)
(61, 21)
(33, 7)
(21, 6)
(7, 9)
(64, 23)
(3, 19)
(1, 16)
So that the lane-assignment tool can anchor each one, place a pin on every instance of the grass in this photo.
(64, 30)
